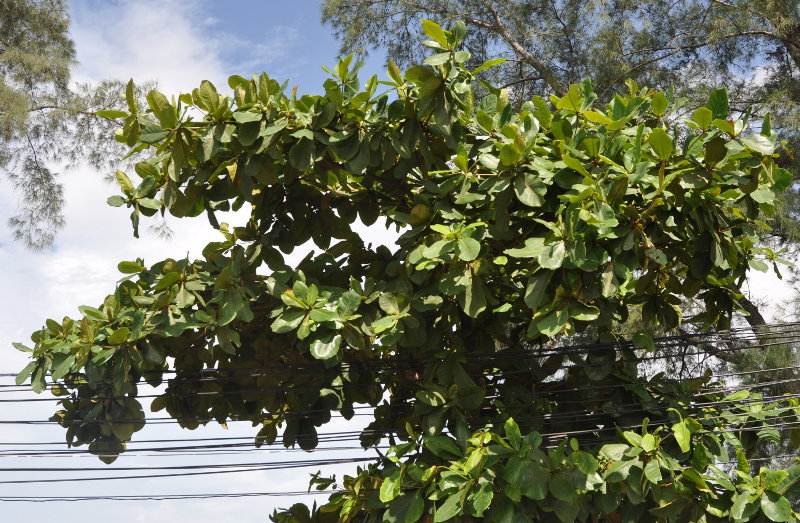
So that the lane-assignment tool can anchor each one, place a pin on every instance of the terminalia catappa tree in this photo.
(518, 227)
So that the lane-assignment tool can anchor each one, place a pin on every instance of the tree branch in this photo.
(541, 67)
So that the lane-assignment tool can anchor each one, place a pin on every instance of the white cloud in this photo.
(170, 42)
(146, 40)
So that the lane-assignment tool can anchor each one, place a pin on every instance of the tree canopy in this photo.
(519, 226)
(750, 46)
(550, 44)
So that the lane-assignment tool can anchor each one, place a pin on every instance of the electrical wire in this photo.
(276, 466)
(166, 497)
(663, 342)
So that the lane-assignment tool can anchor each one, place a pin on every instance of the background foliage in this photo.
(45, 122)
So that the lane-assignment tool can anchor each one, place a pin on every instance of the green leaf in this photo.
(659, 104)
(167, 280)
(532, 248)
(207, 96)
(390, 488)
(152, 133)
(582, 312)
(435, 32)
(742, 504)
(405, 508)
(438, 59)
(657, 255)
(301, 155)
(614, 451)
(468, 248)
(725, 126)
(528, 476)
(130, 97)
(530, 189)
(449, 509)
(561, 488)
(442, 446)
(572, 101)
(62, 364)
(509, 154)
(326, 346)
(775, 506)
(643, 340)
(652, 471)
(661, 143)
(388, 303)
(718, 103)
(552, 256)
(619, 470)
(481, 499)
(759, 143)
(20, 347)
(683, 436)
(585, 462)
(596, 117)
(288, 321)
(766, 125)
(119, 336)
(773, 478)
(91, 312)
(536, 290)
(648, 443)
(763, 195)
(553, 322)
(512, 433)
(575, 164)
(487, 64)
(162, 109)
(128, 267)
(124, 183)
(703, 117)
(116, 200)
(324, 315)
(24, 373)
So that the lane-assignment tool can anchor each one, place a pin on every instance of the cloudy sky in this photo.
(177, 43)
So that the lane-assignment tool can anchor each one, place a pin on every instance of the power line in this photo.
(277, 466)
(165, 497)
(779, 337)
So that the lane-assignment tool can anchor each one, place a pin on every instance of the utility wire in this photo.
(165, 497)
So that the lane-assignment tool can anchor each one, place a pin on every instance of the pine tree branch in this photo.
(541, 67)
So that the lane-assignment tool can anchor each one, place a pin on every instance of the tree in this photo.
(550, 44)
(518, 227)
(41, 115)
(749, 45)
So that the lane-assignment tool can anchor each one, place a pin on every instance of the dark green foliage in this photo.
(518, 227)
(751, 46)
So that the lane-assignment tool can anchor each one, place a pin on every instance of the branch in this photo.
(521, 80)
(541, 68)
(59, 108)
(724, 355)
(677, 49)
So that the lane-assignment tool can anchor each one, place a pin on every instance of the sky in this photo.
(178, 43)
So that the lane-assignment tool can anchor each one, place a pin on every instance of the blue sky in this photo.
(286, 39)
